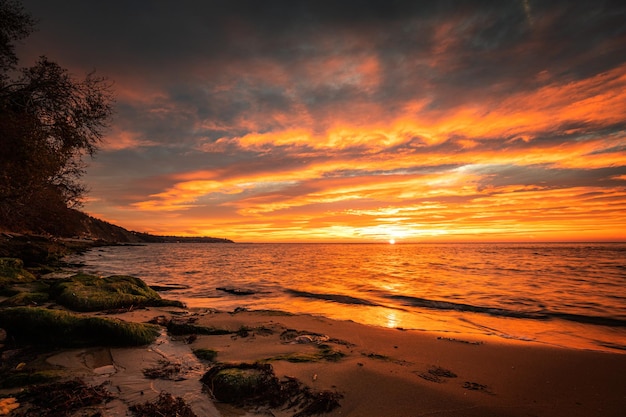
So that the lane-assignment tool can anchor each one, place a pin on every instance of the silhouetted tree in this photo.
(48, 122)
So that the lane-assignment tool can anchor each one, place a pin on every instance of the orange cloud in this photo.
(421, 173)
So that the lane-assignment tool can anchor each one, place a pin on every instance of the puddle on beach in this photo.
(123, 367)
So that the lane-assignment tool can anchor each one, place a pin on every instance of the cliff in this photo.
(44, 239)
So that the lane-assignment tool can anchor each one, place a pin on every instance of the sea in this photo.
(570, 295)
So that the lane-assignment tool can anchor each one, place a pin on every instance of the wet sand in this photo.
(385, 372)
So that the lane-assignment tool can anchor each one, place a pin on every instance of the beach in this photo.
(334, 365)
(380, 371)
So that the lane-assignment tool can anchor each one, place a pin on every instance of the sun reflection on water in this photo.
(392, 320)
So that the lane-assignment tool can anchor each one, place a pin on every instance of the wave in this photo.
(502, 312)
(338, 298)
(462, 307)
(447, 305)
(599, 320)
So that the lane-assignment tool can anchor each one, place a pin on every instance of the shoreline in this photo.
(383, 371)
(554, 332)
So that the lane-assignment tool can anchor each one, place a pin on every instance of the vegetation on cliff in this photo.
(50, 123)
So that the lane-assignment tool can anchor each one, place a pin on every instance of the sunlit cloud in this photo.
(416, 121)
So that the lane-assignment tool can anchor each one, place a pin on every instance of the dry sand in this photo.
(385, 372)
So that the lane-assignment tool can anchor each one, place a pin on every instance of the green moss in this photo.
(255, 385)
(61, 328)
(91, 293)
(26, 298)
(323, 353)
(329, 354)
(22, 379)
(295, 357)
(176, 328)
(13, 269)
(208, 355)
(241, 383)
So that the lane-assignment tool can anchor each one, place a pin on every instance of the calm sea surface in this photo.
(570, 295)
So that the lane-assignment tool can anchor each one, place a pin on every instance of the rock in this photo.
(12, 272)
(25, 299)
(169, 287)
(236, 291)
(255, 385)
(61, 328)
(244, 384)
(83, 292)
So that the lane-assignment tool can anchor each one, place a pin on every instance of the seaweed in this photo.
(164, 405)
(436, 374)
(323, 353)
(303, 337)
(61, 399)
(475, 386)
(165, 370)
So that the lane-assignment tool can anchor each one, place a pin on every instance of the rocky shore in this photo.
(79, 345)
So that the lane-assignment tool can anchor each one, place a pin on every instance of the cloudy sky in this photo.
(354, 120)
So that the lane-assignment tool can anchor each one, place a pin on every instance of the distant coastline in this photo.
(75, 225)
(148, 238)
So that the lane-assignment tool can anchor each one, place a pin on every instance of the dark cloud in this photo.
(446, 51)
(546, 177)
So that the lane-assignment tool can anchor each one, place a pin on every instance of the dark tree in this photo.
(15, 25)
(49, 121)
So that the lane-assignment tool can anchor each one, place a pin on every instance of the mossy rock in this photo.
(38, 286)
(61, 328)
(208, 355)
(12, 272)
(91, 293)
(255, 385)
(26, 298)
(243, 383)
(25, 378)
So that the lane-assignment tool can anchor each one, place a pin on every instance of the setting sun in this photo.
(392, 241)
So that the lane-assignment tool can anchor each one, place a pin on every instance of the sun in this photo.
(392, 241)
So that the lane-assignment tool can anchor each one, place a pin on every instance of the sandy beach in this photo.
(380, 372)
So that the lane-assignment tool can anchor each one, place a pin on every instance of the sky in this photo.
(353, 121)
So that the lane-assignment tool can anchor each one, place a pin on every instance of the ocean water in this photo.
(571, 295)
